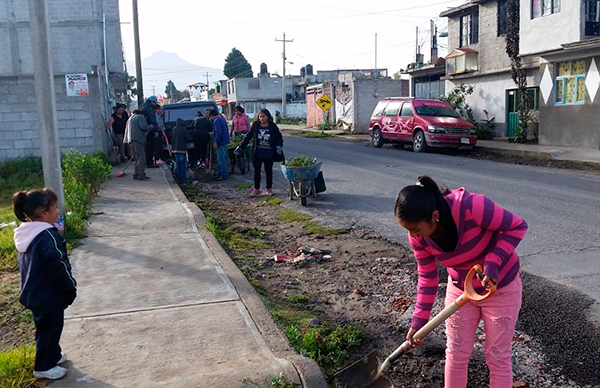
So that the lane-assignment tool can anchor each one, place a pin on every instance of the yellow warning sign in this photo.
(325, 103)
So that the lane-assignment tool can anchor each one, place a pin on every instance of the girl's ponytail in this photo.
(418, 202)
(19, 200)
(28, 204)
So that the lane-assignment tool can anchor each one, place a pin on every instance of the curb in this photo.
(556, 155)
(308, 370)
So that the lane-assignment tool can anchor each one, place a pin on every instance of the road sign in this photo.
(325, 103)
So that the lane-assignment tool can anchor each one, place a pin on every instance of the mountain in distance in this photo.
(162, 66)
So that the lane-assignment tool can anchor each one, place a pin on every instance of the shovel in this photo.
(372, 370)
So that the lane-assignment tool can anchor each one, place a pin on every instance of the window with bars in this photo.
(592, 21)
(544, 7)
(502, 28)
(570, 83)
(469, 29)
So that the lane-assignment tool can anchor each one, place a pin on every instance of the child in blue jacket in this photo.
(47, 284)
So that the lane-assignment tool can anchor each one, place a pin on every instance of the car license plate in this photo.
(464, 140)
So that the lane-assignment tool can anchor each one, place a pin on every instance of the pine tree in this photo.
(236, 65)
(172, 92)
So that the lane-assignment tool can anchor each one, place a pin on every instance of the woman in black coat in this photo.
(266, 149)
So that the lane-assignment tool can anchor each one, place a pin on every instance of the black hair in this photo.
(214, 112)
(240, 108)
(180, 121)
(266, 112)
(28, 204)
(417, 202)
(137, 112)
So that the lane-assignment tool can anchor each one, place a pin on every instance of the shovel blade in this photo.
(364, 373)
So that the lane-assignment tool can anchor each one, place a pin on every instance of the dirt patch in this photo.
(368, 281)
(16, 323)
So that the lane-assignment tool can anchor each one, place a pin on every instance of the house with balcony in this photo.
(565, 35)
(477, 57)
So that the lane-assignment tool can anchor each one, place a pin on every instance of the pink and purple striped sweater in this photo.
(487, 234)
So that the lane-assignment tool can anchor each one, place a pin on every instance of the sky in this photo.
(330, 35)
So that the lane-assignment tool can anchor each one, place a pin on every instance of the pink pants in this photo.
(499, 313)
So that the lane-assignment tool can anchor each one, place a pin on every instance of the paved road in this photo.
(561, 207)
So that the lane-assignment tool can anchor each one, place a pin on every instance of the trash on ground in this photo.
(7, 224)
(303, 254)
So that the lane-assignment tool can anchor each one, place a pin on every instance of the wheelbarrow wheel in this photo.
(303, 192)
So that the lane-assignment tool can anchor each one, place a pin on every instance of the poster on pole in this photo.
(77, 85)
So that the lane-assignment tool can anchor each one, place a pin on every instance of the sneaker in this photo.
(51, 374)
(135, 176)
(270, 193)
(255, 193)
(143, 178)
(63, 358)
(159, 161)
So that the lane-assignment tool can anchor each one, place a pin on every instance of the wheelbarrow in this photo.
(302, 181)
(242, 160)
(373, 370)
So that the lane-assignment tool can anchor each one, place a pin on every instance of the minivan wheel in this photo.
(377, 139)
(419, 142)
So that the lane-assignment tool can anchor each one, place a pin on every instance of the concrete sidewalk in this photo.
(160, 304)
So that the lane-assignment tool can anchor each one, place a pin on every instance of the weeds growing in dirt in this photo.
(244, 186)
(273, 201)
(15, 368)
(298, 300)
(288, 215)
(315, 135)
(11, 311)
(312, 227)
(282, 382)
(232, 240)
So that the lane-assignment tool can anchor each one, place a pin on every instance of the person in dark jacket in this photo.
(149, 110)
(47, 284)
(136, 132)
(201, 136)
(181, 137)
(117, 122)
(268, 141)
(220, 142)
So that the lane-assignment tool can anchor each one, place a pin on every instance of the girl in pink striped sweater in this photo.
(459, 229)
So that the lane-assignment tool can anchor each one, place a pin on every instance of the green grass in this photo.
(232, 240)
(15, 368)
(315, 135)
(288, 215)
(312, 227)
(298, 301)
(282, 382)
(11, 311)
(272, 201)
(244, 186)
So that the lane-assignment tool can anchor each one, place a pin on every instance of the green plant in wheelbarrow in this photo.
(301, 161)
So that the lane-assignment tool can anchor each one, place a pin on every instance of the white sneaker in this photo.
(51, 374)
(63, 358)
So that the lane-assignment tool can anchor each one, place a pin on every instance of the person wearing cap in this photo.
(149, 110)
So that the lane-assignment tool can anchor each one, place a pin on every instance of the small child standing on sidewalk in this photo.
(47, 284)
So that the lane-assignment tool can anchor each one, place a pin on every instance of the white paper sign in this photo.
(77, 85)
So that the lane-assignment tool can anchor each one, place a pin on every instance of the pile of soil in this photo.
(369, 281)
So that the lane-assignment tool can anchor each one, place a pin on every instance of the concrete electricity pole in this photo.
(283, 94)
(138, 55)
(154, 90)
(43, 70)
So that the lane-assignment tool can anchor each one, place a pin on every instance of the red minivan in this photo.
(424, 123)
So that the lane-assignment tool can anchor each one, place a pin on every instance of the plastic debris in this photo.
(303, 254)
(7, 224)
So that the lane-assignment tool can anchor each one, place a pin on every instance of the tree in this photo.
(172, 92)
(518, 73)
(236, 65)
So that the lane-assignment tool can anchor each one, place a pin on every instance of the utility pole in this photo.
(138, 55)
(434, 48)
(417, 46)
(207, 86)
(154, 90)
(43, 70)
(375, 94)
(283, 94)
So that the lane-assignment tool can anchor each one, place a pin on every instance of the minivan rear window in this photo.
(436, 110)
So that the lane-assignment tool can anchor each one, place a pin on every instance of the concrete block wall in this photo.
(19, 127)
(365, 99)
(491, 47)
